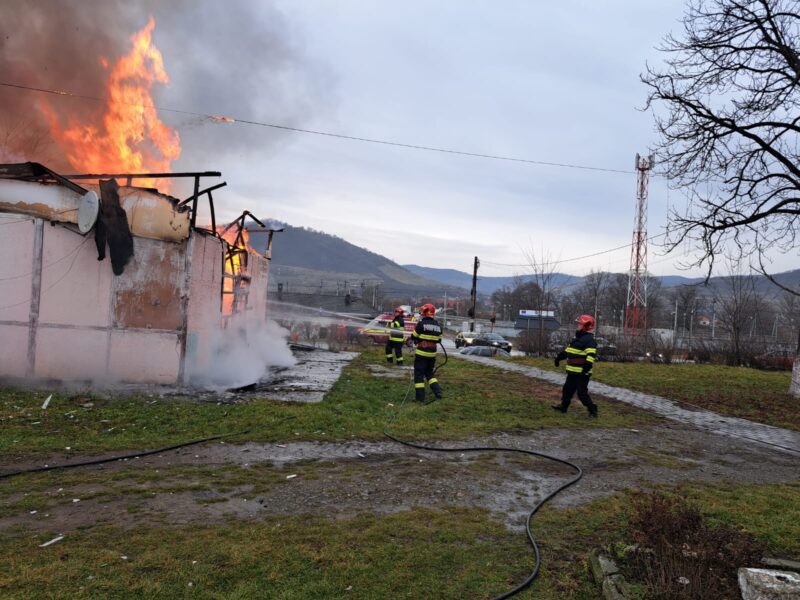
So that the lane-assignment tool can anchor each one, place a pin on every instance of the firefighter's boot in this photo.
(419, 392)
(436, 388)
(558, 407)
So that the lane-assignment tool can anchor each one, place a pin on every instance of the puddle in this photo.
(307, 381)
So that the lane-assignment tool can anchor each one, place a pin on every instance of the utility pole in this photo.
(675, 323)
(474, 293)
(713, 317)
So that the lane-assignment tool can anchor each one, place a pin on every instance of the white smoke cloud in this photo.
(243, 353)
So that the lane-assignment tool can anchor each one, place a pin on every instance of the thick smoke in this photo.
(242, 354)
(223, 58)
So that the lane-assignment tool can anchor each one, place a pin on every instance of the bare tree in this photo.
(736, 307)
(789, 315)
(731, 133)
(543, 271)
(655, 302)
(616, 298)
(590, 293)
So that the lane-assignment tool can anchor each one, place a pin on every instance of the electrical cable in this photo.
(224, 119)
(100, 461)
(55, 283)
(535, 572)
(509, 593)
(558, 262)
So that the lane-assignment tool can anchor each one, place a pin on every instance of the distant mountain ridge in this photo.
(488, 285)
(304, 258)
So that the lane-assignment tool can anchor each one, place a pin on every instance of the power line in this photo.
(224, 119)
(558, 262)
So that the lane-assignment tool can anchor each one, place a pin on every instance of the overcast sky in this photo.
(541, 81)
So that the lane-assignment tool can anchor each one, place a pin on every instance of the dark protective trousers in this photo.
(423, 369)
(394, 350)
(577, 382)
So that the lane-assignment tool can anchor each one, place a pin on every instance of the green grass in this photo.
(452, 553)
(479, 400)
(760, 396)
(420, 553)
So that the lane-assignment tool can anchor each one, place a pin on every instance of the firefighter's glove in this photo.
(556, 362)
(587, 370)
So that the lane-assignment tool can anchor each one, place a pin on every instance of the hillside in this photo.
(312, 261)
(308, 261)
(486, 285)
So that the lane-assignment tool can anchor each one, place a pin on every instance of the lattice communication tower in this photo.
(636, 309)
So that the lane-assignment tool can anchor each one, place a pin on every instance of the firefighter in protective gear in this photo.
(580, 355)
(427, 334)
(394, 345)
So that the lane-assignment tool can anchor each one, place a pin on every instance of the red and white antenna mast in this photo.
(636, 310)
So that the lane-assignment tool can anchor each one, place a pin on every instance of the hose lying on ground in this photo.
(535, 572)
(100, 461)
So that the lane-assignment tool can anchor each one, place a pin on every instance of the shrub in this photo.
(679, 555)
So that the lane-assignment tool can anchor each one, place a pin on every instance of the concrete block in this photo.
(614, 588)
(768, 584)
(601, 565)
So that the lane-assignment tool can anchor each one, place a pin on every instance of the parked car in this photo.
(773, 361)
(492, 339)
(464, 338)
(483, 351)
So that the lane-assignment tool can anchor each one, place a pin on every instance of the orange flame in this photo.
(131, 139)
(235, 265)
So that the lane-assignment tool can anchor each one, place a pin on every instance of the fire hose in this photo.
(109, 459)
(579, 473)
(518, 588)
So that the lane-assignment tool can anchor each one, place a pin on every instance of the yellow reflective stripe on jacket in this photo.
(430, 338)
(574, 369)
(571, 350)
(425, 353)
(395, 336)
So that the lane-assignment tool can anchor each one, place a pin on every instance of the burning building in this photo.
(107, 277)
(150, 312)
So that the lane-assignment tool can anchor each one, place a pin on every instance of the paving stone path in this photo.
(780, 439)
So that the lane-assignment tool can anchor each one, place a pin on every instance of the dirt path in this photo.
(211, 482)
(343, 479)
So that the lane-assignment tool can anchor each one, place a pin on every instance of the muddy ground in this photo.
(342, 479)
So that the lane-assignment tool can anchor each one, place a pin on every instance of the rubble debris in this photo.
(53, 541)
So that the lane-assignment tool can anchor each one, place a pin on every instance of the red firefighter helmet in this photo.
(585, 322)
(427, 310)
(399, 310)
